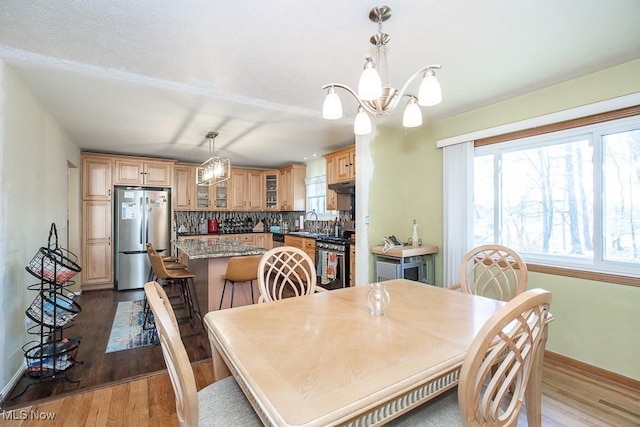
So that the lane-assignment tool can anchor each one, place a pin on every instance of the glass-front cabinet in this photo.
(271, 189)
(221, 195)
(210, 197)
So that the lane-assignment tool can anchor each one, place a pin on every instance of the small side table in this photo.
(404, 258)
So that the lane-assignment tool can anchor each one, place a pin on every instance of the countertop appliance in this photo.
(142, 215)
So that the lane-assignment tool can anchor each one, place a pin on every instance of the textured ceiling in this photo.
(151, 77)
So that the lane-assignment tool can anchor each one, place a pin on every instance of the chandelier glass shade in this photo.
(216, 169)
(373, 98)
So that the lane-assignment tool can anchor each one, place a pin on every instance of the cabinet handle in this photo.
(109, 240)
(109, 193)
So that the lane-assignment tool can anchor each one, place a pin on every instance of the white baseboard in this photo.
(4, 393)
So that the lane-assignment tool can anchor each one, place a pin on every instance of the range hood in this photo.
(347, 187)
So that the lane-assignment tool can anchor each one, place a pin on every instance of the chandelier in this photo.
(215, 169)
(376, 100)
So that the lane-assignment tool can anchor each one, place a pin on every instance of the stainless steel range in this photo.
(332, 261)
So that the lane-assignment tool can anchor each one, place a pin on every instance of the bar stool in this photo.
(240, 269)
(184, 278)
(170, 262)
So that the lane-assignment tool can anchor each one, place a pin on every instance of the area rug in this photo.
(127, 331)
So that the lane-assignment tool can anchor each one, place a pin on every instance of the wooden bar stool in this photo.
(240, 269)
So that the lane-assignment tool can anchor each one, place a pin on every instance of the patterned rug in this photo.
(127, 331)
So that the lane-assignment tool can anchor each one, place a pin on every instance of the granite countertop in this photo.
(219, 247)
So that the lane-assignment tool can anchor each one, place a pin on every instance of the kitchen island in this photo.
(207, 257)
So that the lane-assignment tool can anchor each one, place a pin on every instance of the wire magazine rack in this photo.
(51, 354)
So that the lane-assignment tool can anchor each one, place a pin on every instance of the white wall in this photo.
(34, 155)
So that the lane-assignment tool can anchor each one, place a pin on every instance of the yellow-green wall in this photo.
(595, 322)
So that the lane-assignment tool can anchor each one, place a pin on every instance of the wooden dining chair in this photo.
(286, 271)
(493, 271)
(503, 359)
(219, 404)
(240, 269)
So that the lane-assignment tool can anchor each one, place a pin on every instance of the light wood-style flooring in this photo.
(570, 398)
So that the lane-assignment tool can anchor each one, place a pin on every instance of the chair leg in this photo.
(233, 288)
(222, 297)
(251, 284)
(193, 296)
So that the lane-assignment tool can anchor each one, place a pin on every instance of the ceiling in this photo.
(152, 77)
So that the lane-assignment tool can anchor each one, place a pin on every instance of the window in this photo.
(317, 197)
(568, 198)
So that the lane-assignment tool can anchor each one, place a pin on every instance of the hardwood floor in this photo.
(93, 323)
(132, 387)
(570, 399)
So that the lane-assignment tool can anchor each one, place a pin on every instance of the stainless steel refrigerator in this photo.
(142, 215)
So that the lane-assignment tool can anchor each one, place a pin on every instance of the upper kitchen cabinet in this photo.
(291, 188)
(96, 177)
(248, 189)
(331, 197)
(344, 167)
(132, 171)
(270, 189)
(183, 187)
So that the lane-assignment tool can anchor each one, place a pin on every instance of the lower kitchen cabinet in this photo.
(307, 245)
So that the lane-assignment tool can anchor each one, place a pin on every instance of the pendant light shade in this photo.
(412, 115)
(362, 123)
(376, 97)
(332, 107)
(430, 92)
(216, 169)
(370, 86)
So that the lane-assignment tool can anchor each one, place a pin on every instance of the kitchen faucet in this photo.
(316, 215)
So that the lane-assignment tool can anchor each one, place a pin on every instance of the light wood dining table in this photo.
(324, 360)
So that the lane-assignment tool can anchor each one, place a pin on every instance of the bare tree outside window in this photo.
(571, 196)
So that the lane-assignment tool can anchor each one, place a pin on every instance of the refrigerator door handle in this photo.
(141, 207)
(146, 218)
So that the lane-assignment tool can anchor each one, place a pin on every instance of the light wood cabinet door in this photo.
(158, 174)
(247, 190)
(307, 245)
(345, 166)
(96, 178)
(183, 187)
(240, 185)
(264, 240)
(138, 172)
(331, 196)
(97, 253)
(291, 188)
(341, 165)
(255, 193)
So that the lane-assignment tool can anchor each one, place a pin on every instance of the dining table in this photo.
(324, 359)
